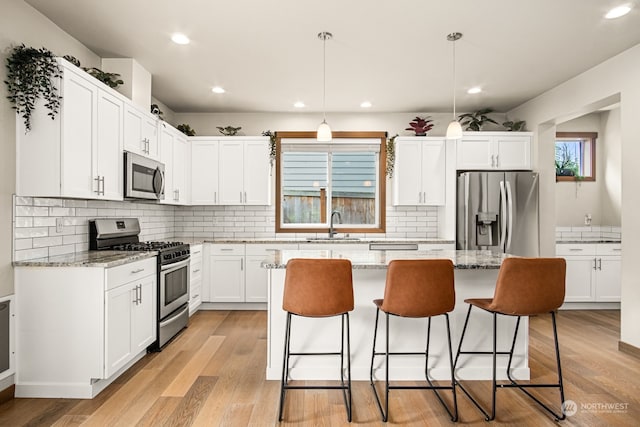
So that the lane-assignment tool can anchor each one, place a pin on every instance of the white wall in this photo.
(20, 23)
(610, 169)
(255, 123)
(599, 198)
(618, 78)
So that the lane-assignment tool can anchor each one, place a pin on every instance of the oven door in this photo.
(174, 287)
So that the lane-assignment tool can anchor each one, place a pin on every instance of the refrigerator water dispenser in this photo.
(486, 229)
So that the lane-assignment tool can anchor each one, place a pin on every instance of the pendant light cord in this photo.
(454, 80)
(324, 77)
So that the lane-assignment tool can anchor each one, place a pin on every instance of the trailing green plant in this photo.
(30, 75)
(73, 60)
(421, 125)
(110, 79)
(477, 119)
(391, 155)
(186, 129)
(515, 126)
(272, 146)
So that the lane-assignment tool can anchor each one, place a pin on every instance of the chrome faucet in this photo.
(332, 231)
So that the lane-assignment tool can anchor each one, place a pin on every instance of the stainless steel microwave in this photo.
(143, 177)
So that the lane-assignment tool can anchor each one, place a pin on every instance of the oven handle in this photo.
(175, 265)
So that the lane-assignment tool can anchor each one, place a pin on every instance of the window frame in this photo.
(381, 202)
(591, 137)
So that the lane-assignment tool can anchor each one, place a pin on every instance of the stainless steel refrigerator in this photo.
(498, 211)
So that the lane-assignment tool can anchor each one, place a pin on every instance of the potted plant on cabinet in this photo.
(421, 125)
(474, 121)
(30, 76)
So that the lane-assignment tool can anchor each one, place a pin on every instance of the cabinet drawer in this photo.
(609, 249)
(227, 249)
(196, 271)
(268, 249)
(436, 247)
(117, 276)
(575, 249)
(196, 253)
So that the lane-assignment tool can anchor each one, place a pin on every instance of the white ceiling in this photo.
(266, 53)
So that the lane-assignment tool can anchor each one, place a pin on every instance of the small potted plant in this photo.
(421, 125)
(475, 121)
(515, 125)
(186, 129)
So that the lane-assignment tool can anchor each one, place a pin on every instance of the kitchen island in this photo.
(475, 277)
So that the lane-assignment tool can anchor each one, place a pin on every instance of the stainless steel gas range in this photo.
(122, 234)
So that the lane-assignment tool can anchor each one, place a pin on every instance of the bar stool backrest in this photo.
(318, 287)
(529, 286)
(419, 288)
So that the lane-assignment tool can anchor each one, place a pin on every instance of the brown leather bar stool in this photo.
(418, 289)
(318, 288)
(525, 287)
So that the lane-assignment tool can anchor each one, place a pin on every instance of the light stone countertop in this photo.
(380, 259)
(104, 259)
(587, 241)
(312, 240)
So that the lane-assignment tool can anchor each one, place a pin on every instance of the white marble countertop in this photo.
(320, 240)
(380, 259)
(104, 259)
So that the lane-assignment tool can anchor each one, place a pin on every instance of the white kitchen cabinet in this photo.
(420, 171)
(226, 273)
(244, 171)
(235, 274)
(195, 279)
(93, 322)
(204, 171)
(494, 151)
(141, 132)
(79, 153)
(173, 153)
(593, 272)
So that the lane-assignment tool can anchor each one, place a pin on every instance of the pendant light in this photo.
(454, 131)
(324, 131)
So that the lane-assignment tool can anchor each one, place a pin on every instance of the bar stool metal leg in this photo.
(285, 366)
(384, 412)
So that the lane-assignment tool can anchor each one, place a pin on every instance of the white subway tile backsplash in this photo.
(62, 250)
(25, 233)
(31, 211)
(21, 244)
(23, 201)
(31, 254)
(61, 211)
(43, 242)
(24, 222)
(47, 202)
(44, 221)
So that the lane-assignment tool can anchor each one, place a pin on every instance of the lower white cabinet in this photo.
(77, 326)
(130, 325)
(235, 274)
(593, 272)
(195, 278)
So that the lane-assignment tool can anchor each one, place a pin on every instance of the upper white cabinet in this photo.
(204, 171)
(230, 171)
(494, 151)
(140, 132)
(79, 153)
(174, 154)
(420, 171)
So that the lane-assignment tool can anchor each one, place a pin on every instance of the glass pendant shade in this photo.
(324, 132)
(454, 131)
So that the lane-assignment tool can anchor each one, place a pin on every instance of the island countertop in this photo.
(380, 259)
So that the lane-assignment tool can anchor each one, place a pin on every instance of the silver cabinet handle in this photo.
(195, 252)
(245, 197)
(595, 264)
(97, 180)
(600, 264)
(102, 180)
(576, 250)
(226, 249)
(241, 263)
(492, 161)
(196, 270)
(497, 160)
(215, 197)
(241, 197)
(139, 270)
(617, 249)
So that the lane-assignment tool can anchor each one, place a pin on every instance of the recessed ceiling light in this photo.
(179, 38)
(618, 11)
(474, 90)
(299, 104)
(365, 104)
(217, 89)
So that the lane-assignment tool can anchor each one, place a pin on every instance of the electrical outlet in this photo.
(59, 225)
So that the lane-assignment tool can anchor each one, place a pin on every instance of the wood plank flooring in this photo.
(213, 375)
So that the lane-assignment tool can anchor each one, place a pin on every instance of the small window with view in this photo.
(576, 156)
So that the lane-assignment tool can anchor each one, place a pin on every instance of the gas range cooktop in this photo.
(147, 246)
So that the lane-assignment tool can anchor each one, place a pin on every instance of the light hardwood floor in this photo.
(213, 375)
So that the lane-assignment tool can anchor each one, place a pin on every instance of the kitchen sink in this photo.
(332, 239)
